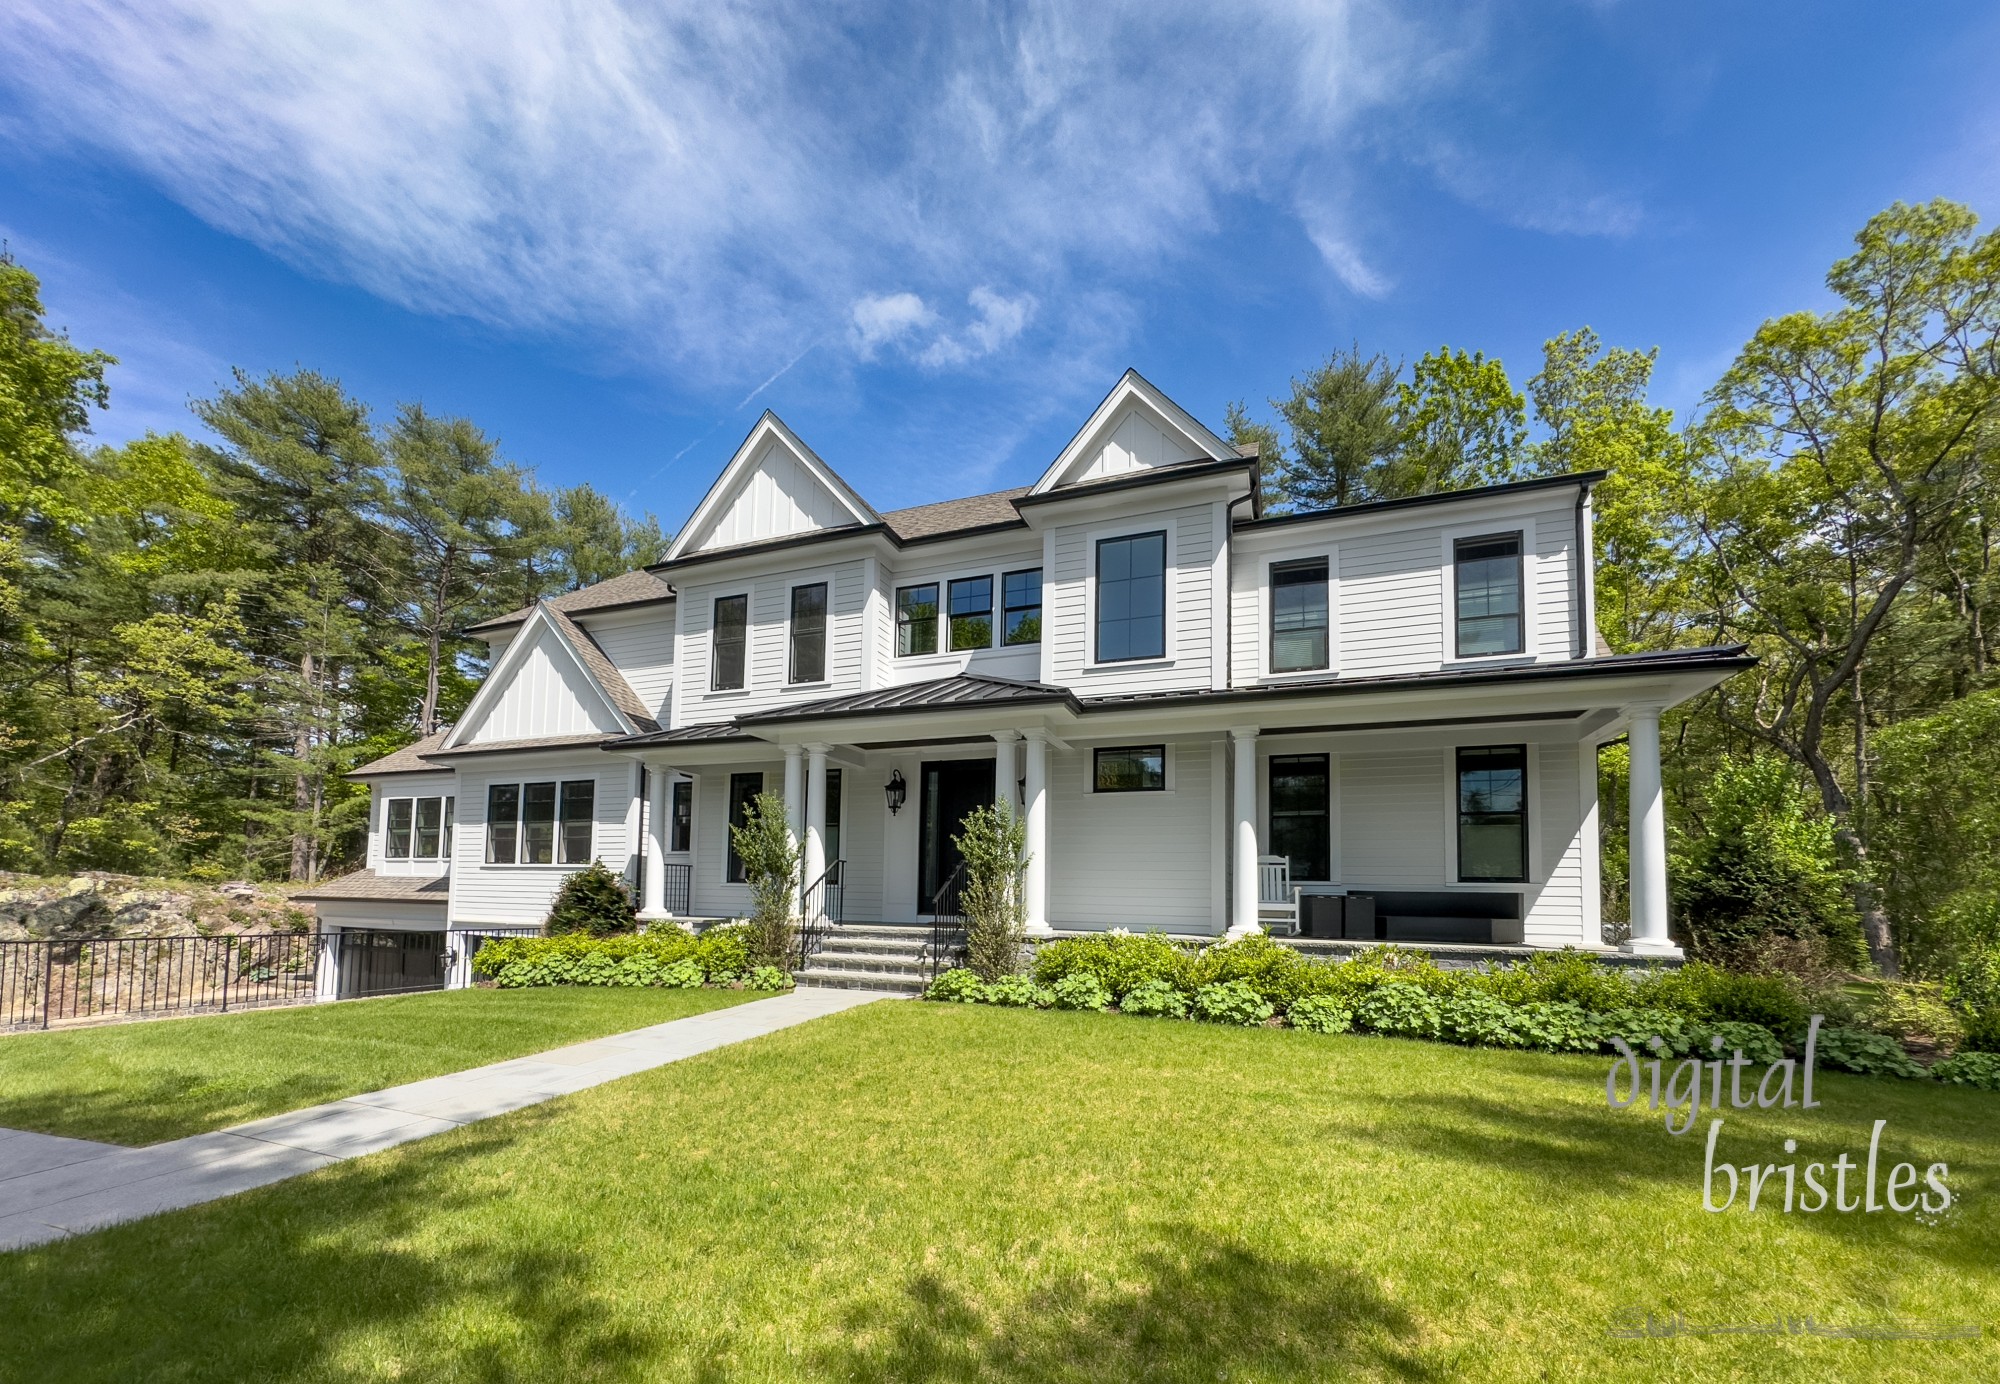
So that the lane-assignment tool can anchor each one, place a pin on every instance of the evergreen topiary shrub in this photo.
(1232, 1002)
(1320, 1014)
(1081, 991)
(591, 901)
(1154, 999)
(1399, 1009)
(771, 868)
(994, 844)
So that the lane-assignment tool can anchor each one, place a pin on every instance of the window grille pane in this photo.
(1132, 597)
(1131, 769)
(1022, 596)
(1488, 572)
(538, 823)
(916, 620)
(1298, 617)
(396, 836)
(1493, 813)
(503, 819)
(808, 633)
(732, 619)
(972, 613)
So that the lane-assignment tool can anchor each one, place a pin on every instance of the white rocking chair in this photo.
(1277, 899)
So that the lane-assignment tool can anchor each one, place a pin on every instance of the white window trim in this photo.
(1531, 635)
(897, 586)
(749, 595)
(996, 616)
(1000, 573)
(694, 815)
(1168, 775)
(1536, 875)
(792, 583)
(1170, 525)
(445, 833)
(486, 822)
(1331, 553)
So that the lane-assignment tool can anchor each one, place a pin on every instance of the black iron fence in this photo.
(52, 982)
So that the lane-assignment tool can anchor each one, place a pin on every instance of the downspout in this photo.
(1229, 586)
(1584, 618)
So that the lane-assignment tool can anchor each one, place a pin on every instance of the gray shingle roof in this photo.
(625, 589)
(408, 760)
(604, 673)
(965, 689)
(952, 516)
(537, 742)
(367, 885)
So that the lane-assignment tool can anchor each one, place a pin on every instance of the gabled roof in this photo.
(598, 671)
(1134, 389)
(768, 429)
(638, 588)
(604, 672)
(533, 742)
(408, 760)
(956, 516)
(963, 689)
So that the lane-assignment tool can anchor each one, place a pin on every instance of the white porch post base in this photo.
(1649, 946)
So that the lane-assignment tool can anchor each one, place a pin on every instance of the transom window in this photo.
(1299, 618)
(1132, 597)
(417, 828)
(1301, 819)
(1130, 769)
(1021, 595)
(1493, 813)
(972, 613)
(1488, 581)
(917, 619)
(732, 633)
(808, 654)
(549, 823)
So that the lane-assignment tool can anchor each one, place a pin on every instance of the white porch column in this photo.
(1243, 910)
(795, 792)
(1649, 840)
(653, 905)
(1005, 775)
(1035, 879)
(814, 862)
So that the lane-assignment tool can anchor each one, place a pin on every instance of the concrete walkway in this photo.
(52, 1187)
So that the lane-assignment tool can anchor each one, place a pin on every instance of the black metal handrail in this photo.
(820, 906)
(947, 925)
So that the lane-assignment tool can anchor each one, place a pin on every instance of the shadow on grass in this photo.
(169, 1106)
(1197, 1308)
(288, 1280)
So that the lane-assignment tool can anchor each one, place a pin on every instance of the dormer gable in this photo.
(774, 487)
(1136, 428)
(551, 681)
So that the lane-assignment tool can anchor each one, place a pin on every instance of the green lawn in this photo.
(928, 1192)
(142, 1083)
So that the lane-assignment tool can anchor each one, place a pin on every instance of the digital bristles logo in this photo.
(1787, 1083)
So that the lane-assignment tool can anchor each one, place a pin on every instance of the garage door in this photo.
(375, 962)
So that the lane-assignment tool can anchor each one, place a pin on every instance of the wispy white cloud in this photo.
(879, 319)
(1539, 194)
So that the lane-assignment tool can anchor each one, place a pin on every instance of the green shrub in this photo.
(1120, 961)
(1870, 1054)
(1980, 1069)
(1399, 1009)
(994, 845)
(1320, 1014)
(1276, 972)
(592, 901)
(1972, 988)
(1476, 1018)
(771, 868)
(1704, 992)
(724, 952)
(631, 960)
(1914, 1009)
(1754, 1041)
(1981, 1032)
(768, 978)
(1564, 977)
(1554, 1026)
(1638, 1027)
(1081, 991)
(1154, 999)
(957, 986)
(1232, 1002)
(1019, 992)
(684, 974)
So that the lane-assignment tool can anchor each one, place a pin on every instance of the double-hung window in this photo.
(540, 823)
(808, 654)
(732, 636)
(1487, 582)
(1299, 618)
(1493, 814)
(1021, 598)
(417, 828)
(1132, 597)
(917, 620)
(971, 613)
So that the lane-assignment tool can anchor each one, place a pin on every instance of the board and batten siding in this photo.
(1068, 615)
(521, 894)
(777, 497)
(765, 664)
(548, 694)
(1135, 860)
(640, 645)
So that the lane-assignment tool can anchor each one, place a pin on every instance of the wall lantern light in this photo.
(897, 791)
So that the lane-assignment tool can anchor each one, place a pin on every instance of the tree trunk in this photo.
(1868, 910)
(427, 718)
(302, 744)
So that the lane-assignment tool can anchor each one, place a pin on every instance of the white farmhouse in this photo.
(1377, 721)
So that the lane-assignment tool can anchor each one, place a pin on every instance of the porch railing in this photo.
(50, 981)
(947, 944)
(820, 905)
(677, 879)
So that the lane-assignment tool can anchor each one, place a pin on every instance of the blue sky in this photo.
(930, 237)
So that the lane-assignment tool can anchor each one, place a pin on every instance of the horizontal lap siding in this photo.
(710, 897)
(1392, 818)
(767, 661)
(643, 651)
(438, 785)
(1191, 553)
(1555, 542)
(1391, 602)
(1135, 860)
(1555, 910)
(482, 893)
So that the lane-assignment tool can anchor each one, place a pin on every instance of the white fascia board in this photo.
(502, 673)
(767, 427)
(1132, 385)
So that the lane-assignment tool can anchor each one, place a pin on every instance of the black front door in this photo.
(951, 788)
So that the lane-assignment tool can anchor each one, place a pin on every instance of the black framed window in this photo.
(1021, 601)
(1299, 625)
(743, 788)
(396, 829)
(1132, 597)
(917, 620)
(503, 823)
(809, 633)
(971, 600)
(732, 636)
(1301, 813)
(430, 829)
(579, 806)
(681, 817)
(1130, 769)
(538, 823)
(1487, 577)
(832, 815)
(1493, 813)
(416, 828)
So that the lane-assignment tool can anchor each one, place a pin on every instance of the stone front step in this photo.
(867, 961)
(829, 979)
